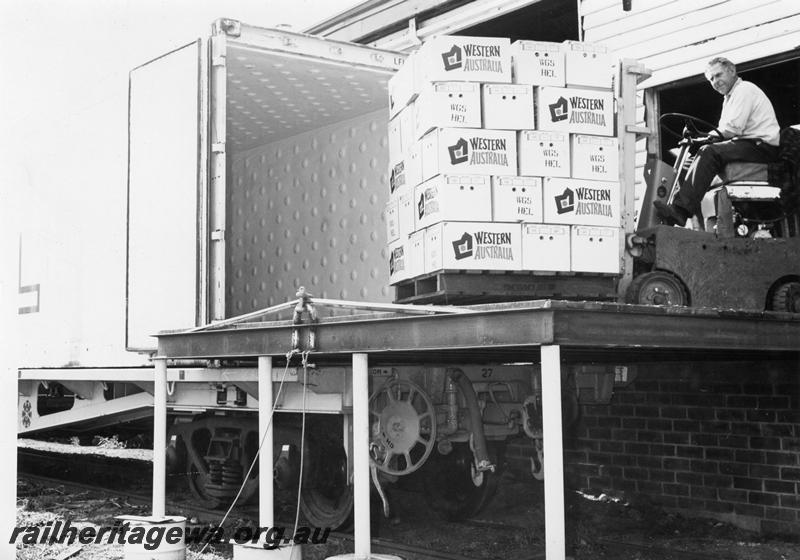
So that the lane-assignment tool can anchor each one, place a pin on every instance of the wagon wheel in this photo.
(197, 476)
(657, 288)
(787, 298)
(403, 427)
(326, 497)
(453, 486)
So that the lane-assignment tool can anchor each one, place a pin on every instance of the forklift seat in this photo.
(744, 171)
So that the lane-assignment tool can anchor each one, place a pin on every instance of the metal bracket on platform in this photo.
(304, 305)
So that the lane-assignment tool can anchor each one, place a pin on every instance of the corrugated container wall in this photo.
(307, 169)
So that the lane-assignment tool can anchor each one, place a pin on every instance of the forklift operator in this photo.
(750, 134)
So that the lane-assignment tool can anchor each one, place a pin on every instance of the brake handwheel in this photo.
(403, 427)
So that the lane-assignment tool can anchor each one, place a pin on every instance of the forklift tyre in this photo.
(787, 298)
(657, 288)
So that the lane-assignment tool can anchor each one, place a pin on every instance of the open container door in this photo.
(300, 164)
(165, 177)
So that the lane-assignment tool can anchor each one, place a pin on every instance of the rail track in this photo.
(36, 460)
(128, 483)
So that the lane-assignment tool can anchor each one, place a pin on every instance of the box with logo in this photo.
(580, 111)
(469, 151)
(392, 217)
(588, 64)
(402, 87)
(545, 247)
(406, 173)
(516, 199)
(473, 246)
(538, 63)
(464, 59)
(581, 202)
(407, 257)
(453, 197)
(447, 104)
(544, 154)
(399, 260)
(595, 249)
(508, 106)
(595, 157)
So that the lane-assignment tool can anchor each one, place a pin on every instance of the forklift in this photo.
(744, 254)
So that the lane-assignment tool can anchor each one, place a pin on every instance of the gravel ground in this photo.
(511, 527)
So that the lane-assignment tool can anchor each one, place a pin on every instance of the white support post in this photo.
(266, 498)
(160, 438)
(555, 540)
(361, 455)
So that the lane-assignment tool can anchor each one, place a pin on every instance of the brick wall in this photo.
(714, 439)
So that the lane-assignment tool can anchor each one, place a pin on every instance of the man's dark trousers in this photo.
(711, 160)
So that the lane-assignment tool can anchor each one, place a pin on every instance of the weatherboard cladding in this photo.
(675, 38)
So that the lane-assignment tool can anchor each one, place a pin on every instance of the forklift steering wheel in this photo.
(689, 122)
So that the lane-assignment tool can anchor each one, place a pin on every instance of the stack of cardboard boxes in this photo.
(503, 157)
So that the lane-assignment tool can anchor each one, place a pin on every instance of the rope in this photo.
(258, 451)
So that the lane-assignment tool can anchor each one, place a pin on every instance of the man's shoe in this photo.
(669, 214)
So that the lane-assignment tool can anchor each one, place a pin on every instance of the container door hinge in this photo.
(218, 147)
(218, 235)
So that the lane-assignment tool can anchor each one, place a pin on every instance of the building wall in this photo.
(718, 440)
(675, 38)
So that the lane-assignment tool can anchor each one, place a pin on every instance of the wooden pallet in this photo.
(472, 287)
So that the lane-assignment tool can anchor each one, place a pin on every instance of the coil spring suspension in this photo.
(225, 471)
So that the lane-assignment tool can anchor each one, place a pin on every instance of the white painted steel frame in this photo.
(554, 527)
(160, 438)
(266, 496)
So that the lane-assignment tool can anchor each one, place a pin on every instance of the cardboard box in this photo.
(405, 214)
(546, 247)
(595, 157)
(392, 216)
(447, 104)
(517, 199)
(408, 137)
(544, 154)
(399, 260)
(469, 151)
(453, 197)
(407, 257)
(580, 111)
(595, 249)
(538, 63)
(588, 64)
(508, 106)
(416, 256)
(581, 202)
(395, 139)
(402, 87)
(406, 173)
(473, 246)
(465, 59)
